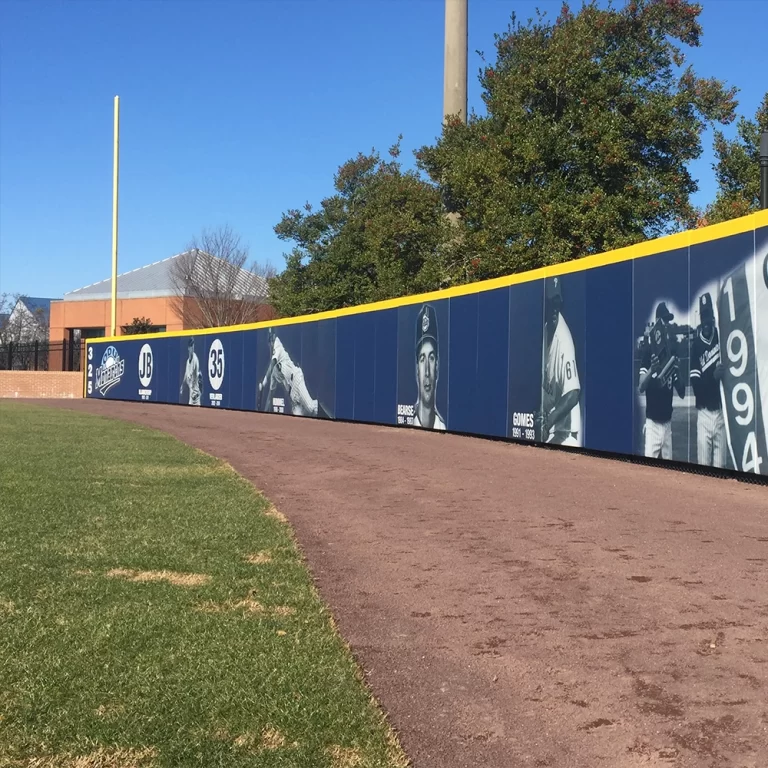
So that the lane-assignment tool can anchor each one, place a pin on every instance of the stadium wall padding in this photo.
(557, 355)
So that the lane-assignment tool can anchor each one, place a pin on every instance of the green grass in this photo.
(99, 670)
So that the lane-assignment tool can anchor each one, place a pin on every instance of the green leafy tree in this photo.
(591, 121)
(738, 169)
(377, 237)
(138, 325)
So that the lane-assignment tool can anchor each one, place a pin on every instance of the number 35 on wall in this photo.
(216, 364)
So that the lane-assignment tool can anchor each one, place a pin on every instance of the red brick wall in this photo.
(41, 384)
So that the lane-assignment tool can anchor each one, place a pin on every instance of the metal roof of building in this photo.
(37, 306)
(157, 280)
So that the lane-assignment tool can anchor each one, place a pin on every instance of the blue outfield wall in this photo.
(660, 350)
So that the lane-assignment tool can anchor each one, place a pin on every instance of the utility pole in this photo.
(764, 170)
(455, 66)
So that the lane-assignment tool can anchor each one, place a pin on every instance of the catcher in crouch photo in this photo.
(283, 373)
(659, 379)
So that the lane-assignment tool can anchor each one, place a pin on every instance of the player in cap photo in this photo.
(283, 372)
(559, 420)
(426, 414)
(706, 374)
(659, 379)
(193, 378)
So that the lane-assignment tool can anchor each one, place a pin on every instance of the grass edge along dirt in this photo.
(156, 611)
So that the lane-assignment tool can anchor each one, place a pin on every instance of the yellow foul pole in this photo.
(115, 171)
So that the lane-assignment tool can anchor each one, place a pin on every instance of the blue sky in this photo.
(233, 112)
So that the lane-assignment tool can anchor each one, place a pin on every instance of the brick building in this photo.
(149, 292)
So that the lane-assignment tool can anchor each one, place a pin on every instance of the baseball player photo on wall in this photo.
(421, 355)
(661, 350)
(283, 388)
(706, 373)
(192, 377)
(559, 420)
(660, 380)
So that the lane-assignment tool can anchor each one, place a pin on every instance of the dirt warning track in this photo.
(513, 606)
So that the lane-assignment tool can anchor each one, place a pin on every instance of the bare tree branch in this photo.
(215, 284)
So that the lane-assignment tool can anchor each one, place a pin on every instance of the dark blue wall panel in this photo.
(169, 384)
(609, 395)
(526, 323)
(345, 367)
(385, 385)
(318, 363)
(365, 367)
(249, 378)
(492, 363)
(462, 376)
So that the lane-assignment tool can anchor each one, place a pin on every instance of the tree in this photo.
(18, 324)
(591, 121)
(7, 303)
(23, 332)
(738, 169)
(377, 237)
(138, 325)
(217, 284)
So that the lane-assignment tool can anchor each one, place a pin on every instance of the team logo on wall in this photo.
(111, 370)
(146, 368)
(216, 371)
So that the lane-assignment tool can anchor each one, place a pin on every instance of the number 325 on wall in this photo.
(90, 370)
